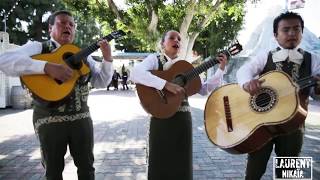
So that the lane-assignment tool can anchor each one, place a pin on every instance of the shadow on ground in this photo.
(118, 149)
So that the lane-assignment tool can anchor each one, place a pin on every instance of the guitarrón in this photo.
(240, 123)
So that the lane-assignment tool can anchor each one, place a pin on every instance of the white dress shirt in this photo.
(256, 64)
(18, 61)
(141, 74)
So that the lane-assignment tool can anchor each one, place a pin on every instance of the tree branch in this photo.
(188, 18)
(207, 16)
(153, 16)
(115, 9)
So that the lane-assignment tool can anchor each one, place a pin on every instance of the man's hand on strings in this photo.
(58, 71)
(253, 86)
(174, 88)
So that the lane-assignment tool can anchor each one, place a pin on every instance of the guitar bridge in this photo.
(227, 113)
(162, 97)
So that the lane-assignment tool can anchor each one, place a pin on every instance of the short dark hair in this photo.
(286, 15)
(53, 16)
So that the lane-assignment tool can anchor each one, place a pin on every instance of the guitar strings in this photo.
(233, 50)
(198, 70)
(302, 83)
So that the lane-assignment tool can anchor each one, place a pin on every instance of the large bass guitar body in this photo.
(240, 123)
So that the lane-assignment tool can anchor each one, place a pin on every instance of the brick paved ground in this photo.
(121, 129)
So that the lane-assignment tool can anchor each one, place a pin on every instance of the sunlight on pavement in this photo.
(106, 147)
(2, 156)
(24, 123)
(35, 154)
(107, 103)
(22, 120)
(120, 136)
(312, 137)
(109, 147)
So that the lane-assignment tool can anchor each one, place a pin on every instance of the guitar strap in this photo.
(184, 107)
(161, 61)
(48, 46)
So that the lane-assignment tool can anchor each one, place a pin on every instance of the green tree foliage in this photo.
(88, 30)
(209, 24)
(147, 20)
(26, 21)
(222, 31)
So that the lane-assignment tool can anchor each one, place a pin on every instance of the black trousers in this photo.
(54, 139)
(115, 84)
(124, 84)
(284, 145)
(170, 148)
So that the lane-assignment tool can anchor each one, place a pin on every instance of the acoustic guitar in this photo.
(164, 104)
(239, 123)
(48, 89)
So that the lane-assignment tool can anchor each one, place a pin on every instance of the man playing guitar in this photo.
(297, 63)
(69, 123)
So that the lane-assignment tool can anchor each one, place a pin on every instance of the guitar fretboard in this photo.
(90, 49)
(306, 82)
(201, 68)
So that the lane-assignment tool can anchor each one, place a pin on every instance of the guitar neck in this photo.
(306, 82)
(90, 49)
(201, 68)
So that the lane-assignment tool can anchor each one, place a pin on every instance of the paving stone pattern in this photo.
(121, 133)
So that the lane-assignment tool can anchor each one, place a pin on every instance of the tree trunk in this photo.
(154, 22)
(38, 26)
(187, 41)
(114, 9)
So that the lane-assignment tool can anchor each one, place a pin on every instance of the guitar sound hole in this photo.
(180, 80)
(264, 100)
(58, 81)
(71, 60)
